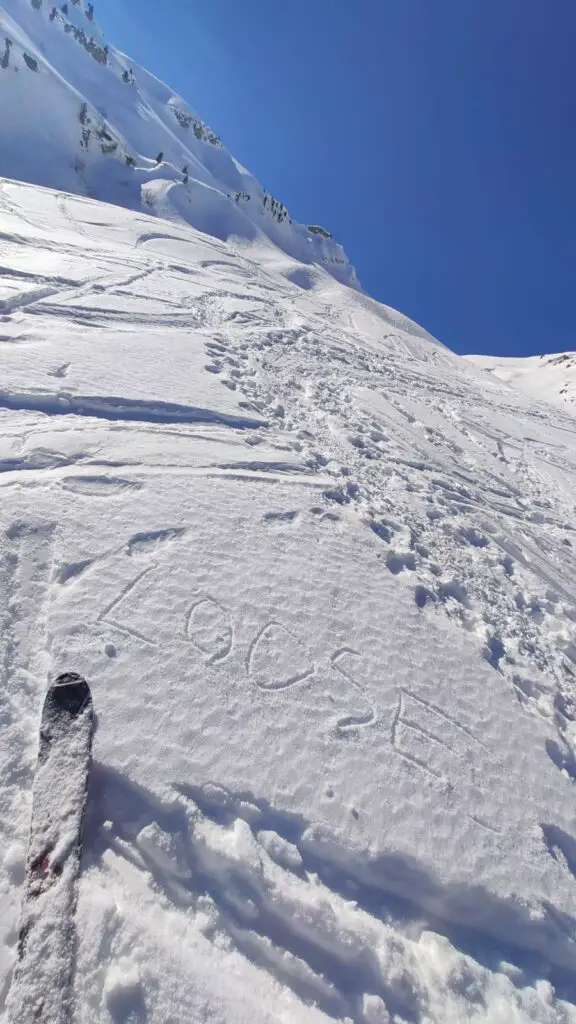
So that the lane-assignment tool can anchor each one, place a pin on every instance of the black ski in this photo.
(41, 990)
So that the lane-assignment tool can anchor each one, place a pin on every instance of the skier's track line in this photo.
(128, 409)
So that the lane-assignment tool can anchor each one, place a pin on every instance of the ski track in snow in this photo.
(320, 576)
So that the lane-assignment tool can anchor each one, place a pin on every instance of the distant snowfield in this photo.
(321, 578)
(550, 378)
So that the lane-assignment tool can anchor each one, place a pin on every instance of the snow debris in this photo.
(284, 853)
(123, 991)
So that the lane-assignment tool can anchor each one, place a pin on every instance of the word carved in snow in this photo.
(276, 658)
(428, 738)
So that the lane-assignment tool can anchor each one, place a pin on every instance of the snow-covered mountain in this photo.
(320, 574)
(550, 378)
(80, 116)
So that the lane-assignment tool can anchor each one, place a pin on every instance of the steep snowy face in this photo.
(551, 378)
(320, 575)
(78, 115)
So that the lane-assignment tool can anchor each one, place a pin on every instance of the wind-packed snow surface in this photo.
(318, 571)
(320, 576)
(549, 378)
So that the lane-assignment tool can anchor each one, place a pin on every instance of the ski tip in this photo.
(70, 679)
(70, 692)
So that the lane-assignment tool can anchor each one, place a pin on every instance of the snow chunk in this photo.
(123, 991)
(279, 849)
(374, 1010)
(14, 861)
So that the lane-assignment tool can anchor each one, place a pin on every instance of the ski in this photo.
(41, 989)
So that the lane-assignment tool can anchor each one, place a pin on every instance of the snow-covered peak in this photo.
(550, 378)
(84, 118)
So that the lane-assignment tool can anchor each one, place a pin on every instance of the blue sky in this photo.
(435, 138)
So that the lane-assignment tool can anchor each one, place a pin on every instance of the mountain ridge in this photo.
(105, 127)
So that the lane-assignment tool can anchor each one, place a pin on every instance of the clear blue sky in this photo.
(435, 138)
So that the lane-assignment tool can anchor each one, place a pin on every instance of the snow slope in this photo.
(80, 116)
(321, 578)
(318, 570)
(549, 378)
